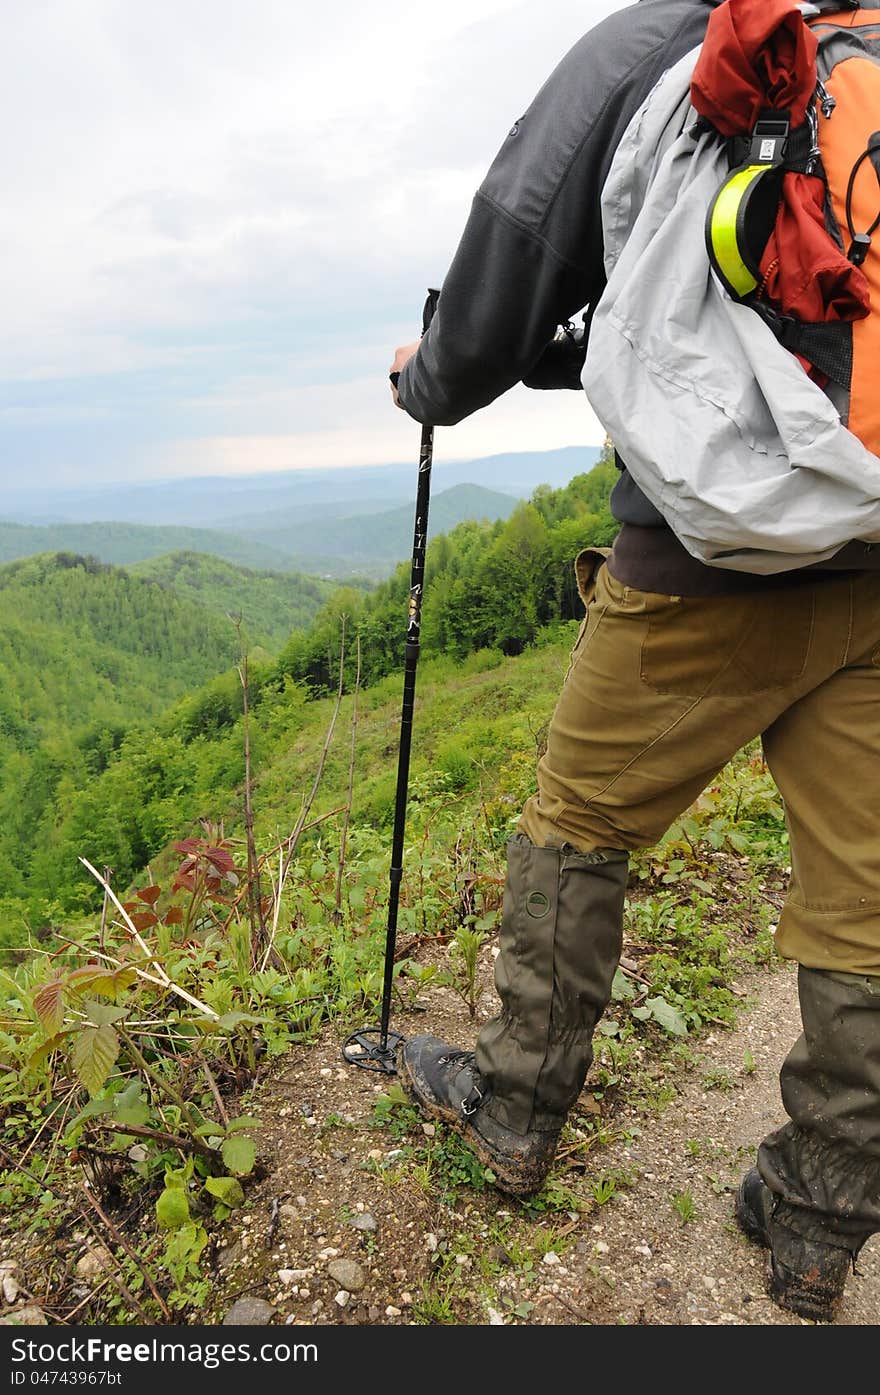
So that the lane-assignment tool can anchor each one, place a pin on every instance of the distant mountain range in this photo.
(335, 523)
(227, 501)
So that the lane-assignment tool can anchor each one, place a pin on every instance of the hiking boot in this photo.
(807, 1277)
(446, 1085)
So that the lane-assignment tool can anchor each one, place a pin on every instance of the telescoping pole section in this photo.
(374, 1049)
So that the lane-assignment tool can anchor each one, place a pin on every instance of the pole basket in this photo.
(372, 1049)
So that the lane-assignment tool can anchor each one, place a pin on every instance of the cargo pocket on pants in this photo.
(587, 566)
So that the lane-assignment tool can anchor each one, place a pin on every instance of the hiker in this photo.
(679, 663)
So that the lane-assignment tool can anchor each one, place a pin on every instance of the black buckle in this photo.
(769, 137)
(472, 1101)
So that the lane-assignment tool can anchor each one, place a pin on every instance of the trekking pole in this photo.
(375, 1048)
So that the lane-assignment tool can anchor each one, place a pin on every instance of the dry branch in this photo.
(163, 978)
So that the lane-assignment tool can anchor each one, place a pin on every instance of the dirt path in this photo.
(704, 1271)
(362, 1232)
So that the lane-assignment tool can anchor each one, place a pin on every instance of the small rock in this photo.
(306, 1110)
(550, 1258)
(95, 1261)
(329, 1253)
(230, 1255)
(325, 1072)
(293, 1276)
(394, 1153)
(347, 1273)
(28, 1316)
(644, 1250)
(318, 1306)
(602, 1247)
(249, 1312)
(406, 1299)
(10, 1288)
(391, 1311)
(709, 1281)
(375, 1155)
(137, 1153)
(495, 1318)
(428, 1130)
(305, 1293)
(289, 1213)
(342, 1298)
(431, 1241)
(366, 1221)
(463, 1261)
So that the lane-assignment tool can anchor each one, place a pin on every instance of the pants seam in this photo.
(597, 794)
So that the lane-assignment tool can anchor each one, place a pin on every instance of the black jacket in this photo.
(531, 256)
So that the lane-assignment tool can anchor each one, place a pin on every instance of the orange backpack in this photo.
(848, 64)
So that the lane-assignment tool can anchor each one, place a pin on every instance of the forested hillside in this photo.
(271, 604)
(87, 651)
(144, 1042)
(120, 544)
(493, 587)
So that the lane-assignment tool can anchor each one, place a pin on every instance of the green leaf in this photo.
(239, 1154)
(45, 1049)
(668, 1017)
(230, 1020)
(179, 1176)
(129, 1108)
(103, 1013)
(94, 1054)
(172, 1208)
(227, 1189)
(209, 1126)
(99, 979)
(243, 1121)
(622, 988)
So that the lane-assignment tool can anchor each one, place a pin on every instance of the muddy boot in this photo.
(821, 1171)
(446, 1085)
(807, 1277)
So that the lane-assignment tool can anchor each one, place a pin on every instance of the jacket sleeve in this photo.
(531, 253)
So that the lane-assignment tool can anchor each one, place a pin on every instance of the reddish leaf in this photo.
(49, 1005)
(150, 894)
(222, 860)
(188, 845)
(174, 916)
(144, 920)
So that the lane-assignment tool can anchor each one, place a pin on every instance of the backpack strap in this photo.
(827, 345)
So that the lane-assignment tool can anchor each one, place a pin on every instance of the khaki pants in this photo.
(663, 690)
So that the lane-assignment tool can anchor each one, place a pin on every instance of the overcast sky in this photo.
(219, 217)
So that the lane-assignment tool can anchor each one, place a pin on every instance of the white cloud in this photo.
(202, 200)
